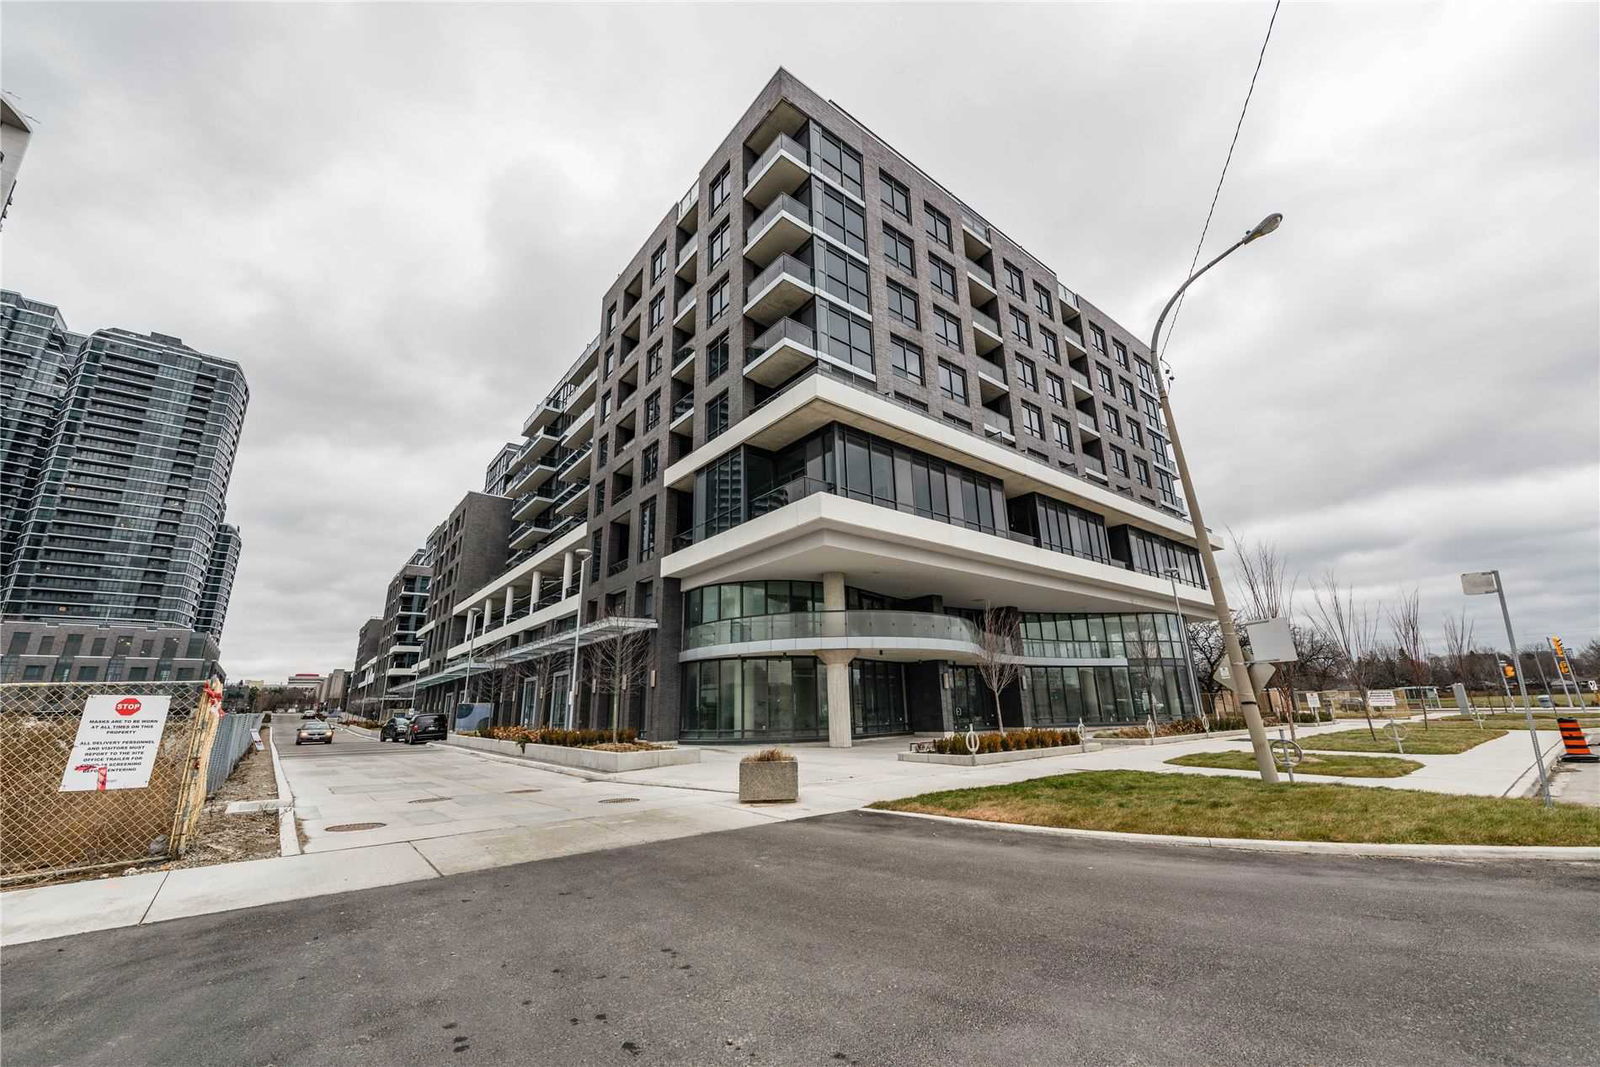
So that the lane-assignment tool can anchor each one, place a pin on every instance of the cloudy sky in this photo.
(400, 220)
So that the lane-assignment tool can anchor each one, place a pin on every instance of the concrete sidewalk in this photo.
(447, 810)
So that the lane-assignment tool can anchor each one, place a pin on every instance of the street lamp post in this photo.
(582, 556)
(1481, 582)
(1243, 687)
(1188, 653)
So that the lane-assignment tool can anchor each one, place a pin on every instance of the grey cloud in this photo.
(399, 218)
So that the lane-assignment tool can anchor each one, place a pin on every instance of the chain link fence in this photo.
(237, 732)
(47, 831)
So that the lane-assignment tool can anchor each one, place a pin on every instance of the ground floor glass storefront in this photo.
(772, 698)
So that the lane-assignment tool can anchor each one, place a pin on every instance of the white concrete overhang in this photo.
(818, 400)
(904, 555)
(489, 638)
(521, 574)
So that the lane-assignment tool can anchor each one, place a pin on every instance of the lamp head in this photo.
(1264, 227)
(582, 553)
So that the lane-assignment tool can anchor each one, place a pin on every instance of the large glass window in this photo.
(906, 358)
(756, 699)
(952, 382)
(845, 337)
(903, 304)
(741, 600)
(842, 220)
(896, 197)
(898, 249)
(842, 275)
(938, 225)
(943, 277)
(838, 161)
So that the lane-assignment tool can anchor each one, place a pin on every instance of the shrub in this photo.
(768, 755)
(365, 724)
(1175, 728)
(1010, 741)
(550, 735)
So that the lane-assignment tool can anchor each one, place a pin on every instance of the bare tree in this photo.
(1405, 623)
(1458, 646)
(999, 646)
(1266, 590)
(617, 661)
(1351, 625)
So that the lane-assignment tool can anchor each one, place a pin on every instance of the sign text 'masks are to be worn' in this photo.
(117, 741)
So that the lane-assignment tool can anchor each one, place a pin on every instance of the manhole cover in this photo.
(524, 790)
(620, 800)
(349, 827)
(428, 800)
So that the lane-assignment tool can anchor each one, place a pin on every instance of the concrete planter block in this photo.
(587, 759)
(769, 781)
(985, 758)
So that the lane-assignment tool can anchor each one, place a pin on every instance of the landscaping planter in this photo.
(1220, 735)
(583, 758)
(769, 781)
(361, 731)
(984, 758)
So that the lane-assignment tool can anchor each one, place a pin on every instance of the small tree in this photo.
(999, 649)
(617, 660)
(1351, 625)
(1405, 623)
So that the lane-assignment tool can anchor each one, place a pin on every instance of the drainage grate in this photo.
(620, 800)
(348, 827)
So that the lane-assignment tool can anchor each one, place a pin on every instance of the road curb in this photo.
(1574, 854)
(288, 840)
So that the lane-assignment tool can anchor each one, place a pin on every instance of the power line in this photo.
(1176, 311)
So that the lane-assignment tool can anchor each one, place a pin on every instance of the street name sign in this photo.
(1474, 583)
(117, 741)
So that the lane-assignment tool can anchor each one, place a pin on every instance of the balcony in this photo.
(785, 226)
(1094, 468)
(532, 476)
(689, 208)
(683, 366)
(780, 290)
(882, 629)
(542, 414)
(780, 353)
(684, 319)
(991, 381)
(682, 412)
(617, 567)
(1069, 302)
(975, 235)
(689, 260)
(577, 464)
(1080, 382)
(1074, 341)
(1089, 425)
(579, 428)
(996, 425)
(574, 500)
(986, 335)
(782, 168)
(980, 284)
(527, 506)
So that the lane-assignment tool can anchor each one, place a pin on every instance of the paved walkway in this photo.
(447, 810)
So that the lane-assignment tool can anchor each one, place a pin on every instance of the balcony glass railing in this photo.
(1082, 380)
(977, 226)
(689, 251)
(572, 458)
(992, 421)
(777, 207)
(784, 264)
(689, 201)
(1073, 337)
(984, 276)
(881, 627)
(1087, 422)
(1092, 464)
(681, 407)
(985, 321)
(1068, 298)
(783, 329)
(783, 143)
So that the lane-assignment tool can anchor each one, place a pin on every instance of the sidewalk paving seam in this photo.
(146, 913)
(288, 835)
(425, 859)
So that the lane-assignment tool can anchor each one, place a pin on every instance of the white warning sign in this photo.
(117, 742)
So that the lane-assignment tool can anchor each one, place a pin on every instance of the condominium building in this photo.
(833, 413)
(388, 646)
(116, 449)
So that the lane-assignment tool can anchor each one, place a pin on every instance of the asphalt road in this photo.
(851, 939)
(344, 743)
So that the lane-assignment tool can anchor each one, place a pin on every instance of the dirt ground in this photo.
(223, 838)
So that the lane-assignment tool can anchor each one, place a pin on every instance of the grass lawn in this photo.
(1542, 720)
(1148, 802)
(1338, 765)
(1442, 739)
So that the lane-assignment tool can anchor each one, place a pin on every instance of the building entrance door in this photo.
(877, 698)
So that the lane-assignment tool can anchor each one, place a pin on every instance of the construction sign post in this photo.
(117, 741)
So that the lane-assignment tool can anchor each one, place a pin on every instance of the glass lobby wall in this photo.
(759, 699)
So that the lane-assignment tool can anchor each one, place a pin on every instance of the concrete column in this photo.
(837, 663)
(566, 573)
(511, 598)
(833, 622)
(533, 599)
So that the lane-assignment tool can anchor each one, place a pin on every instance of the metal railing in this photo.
(789, 329)
(681, 407)
(784, 264)
(572, 458)
(783, 142)
(880, 626)
(787, 493)
(236, 734)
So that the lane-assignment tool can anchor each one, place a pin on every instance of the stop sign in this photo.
(128, 705)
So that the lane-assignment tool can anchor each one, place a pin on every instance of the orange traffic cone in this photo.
(1572, 740)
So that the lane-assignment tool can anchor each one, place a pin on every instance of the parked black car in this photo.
(425, 727)
(395, 728)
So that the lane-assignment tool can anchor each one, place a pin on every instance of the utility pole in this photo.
(1489, 582)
